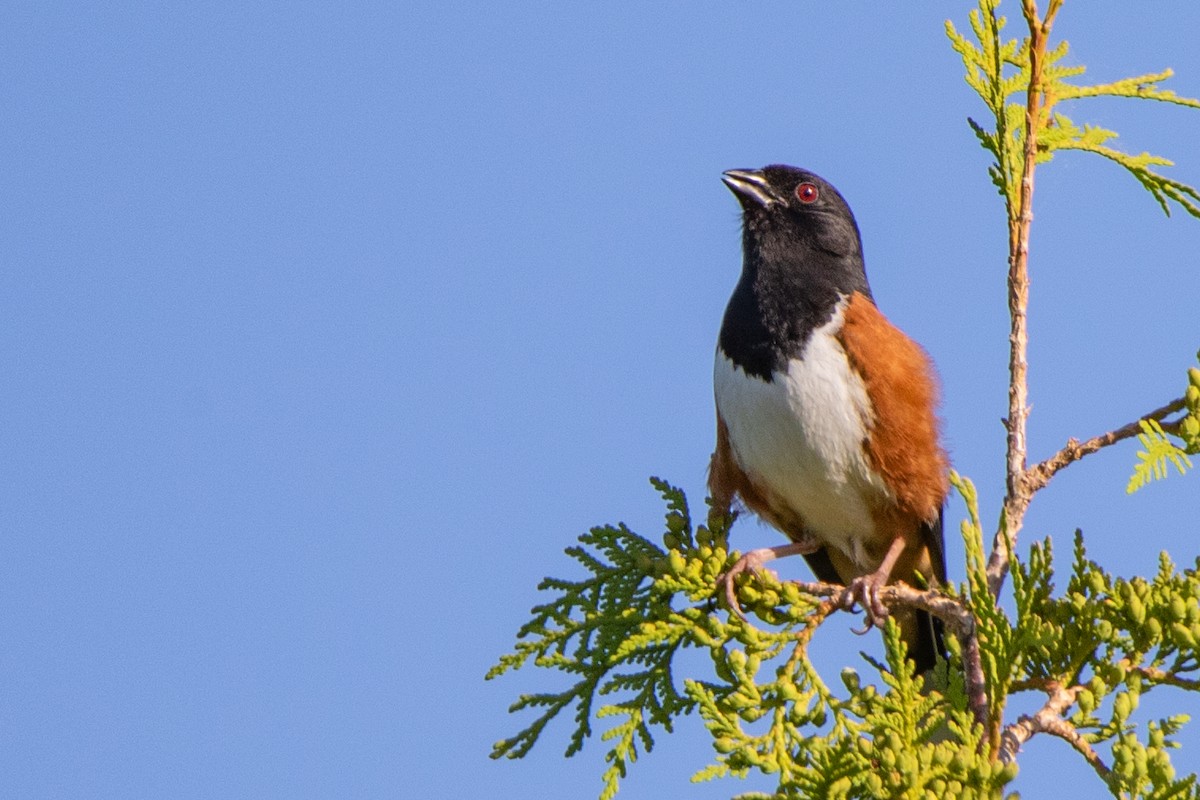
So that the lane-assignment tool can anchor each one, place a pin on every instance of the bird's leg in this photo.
(754, 562)
(864, 590)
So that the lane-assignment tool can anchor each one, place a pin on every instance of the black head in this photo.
(801, 254)
(792, 209)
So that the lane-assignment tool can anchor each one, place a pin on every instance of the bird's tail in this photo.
(926, 638)
(927, 641)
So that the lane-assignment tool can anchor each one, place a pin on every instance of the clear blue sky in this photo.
(326, 327)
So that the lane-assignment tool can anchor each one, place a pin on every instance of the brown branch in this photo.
(1049, 719)
(1152, 674)
(1163, 677)
(1040, 474)
(1057, 726)
(976, 687)
(950, 610)
(1017, 494)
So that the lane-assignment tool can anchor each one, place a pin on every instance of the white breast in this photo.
(801, 436)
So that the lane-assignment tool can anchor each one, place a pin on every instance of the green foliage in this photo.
(618, 618)
(986, 64)
(1139, 635)
(1188, 428)
(999, 69)
(768, 710)
(764, 704)
(1160, 451)
(1154, 460)
(993, 630)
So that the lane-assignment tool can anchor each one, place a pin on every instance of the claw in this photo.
(755, 563)
(864, 590)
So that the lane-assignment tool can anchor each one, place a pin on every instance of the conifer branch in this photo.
(951, 610)
(1037, 105)
(1049, 719)
(1028, 132)
(1143, 87)
(1166, 677)
(1162, 188)
(1040, 474)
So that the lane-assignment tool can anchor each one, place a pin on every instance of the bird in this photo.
(827, 425)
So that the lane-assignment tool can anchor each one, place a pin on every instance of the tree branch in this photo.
(1164, 677)
(1049, 719)
(1039, 475)
(1017, 494)
(950, 610)
(946, 608)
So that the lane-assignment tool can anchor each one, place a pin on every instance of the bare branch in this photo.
(976, 684)
(1049, 719)
(1040, 474)
(1164, 677)
(1017, 495)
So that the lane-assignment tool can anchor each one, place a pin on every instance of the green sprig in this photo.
(998, 69)
(1159, 454)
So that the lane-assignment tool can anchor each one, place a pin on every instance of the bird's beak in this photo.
(750, 186)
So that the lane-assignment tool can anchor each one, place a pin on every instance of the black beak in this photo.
(750, 186)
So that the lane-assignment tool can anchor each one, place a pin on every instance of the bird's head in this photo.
(789, 209)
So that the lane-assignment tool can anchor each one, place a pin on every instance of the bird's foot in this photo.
(755, 562)
(863, 592)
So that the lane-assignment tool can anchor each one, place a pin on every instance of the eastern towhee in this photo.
(826, 424)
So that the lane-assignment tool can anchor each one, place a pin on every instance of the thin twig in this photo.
(1049, 719)
(976, 686)
(1164, 677)
(1040, 474)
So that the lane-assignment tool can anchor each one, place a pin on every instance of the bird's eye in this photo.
(807, 193)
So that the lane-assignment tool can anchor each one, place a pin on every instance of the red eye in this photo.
(807, 193)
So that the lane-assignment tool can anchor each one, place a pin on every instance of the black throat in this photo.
(792, 279)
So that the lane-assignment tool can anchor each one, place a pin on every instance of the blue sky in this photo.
(327, 327)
